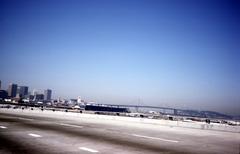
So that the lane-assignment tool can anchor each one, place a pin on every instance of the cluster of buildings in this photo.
(14, 93)
(21, 94)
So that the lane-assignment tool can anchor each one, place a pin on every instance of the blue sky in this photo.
(182, 54)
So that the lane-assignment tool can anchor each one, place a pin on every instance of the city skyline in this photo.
(47, 94)
(16, 91)
(182, 54)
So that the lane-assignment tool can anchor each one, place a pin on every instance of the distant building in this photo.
(23, 91)
(35, 92)
(3, 94)
(72, 102)
(47, 94)
(39, 97)
(105, 108)
(79, 100)
(31, 97)
(12, 90)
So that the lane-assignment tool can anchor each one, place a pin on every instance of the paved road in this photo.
(23, 133)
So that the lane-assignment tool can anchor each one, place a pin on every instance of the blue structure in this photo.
(105, 108)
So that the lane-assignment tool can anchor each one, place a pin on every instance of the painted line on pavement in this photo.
(3, 127)
(34, 135)
(87, 149)
(155, 138)
(26, 119)
(69, 125)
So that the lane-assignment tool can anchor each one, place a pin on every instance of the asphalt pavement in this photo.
(28, 133)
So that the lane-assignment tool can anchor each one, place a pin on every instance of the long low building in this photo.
(105, 108)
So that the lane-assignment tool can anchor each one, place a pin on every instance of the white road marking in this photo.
(87, 149)
(69, 125)
(34, 135)
(3, 127)
(154, 138)
(25, 119)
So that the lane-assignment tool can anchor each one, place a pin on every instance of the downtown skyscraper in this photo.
(12, 90)
(23, 91)
(47, 94)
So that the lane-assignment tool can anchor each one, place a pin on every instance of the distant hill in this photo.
(212, 114)
(237, 117)
(203, 114)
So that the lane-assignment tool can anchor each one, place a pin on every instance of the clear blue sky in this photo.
(182, 53)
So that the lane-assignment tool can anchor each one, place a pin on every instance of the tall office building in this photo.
(23, 91)
(3, 94)
(47, 94)
(12, 90)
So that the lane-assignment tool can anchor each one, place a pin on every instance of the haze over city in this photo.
(182, 54)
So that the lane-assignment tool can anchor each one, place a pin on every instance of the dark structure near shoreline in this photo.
(105, 108)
